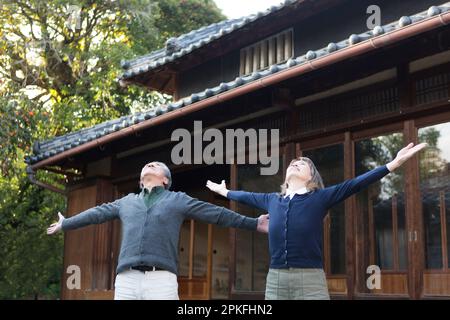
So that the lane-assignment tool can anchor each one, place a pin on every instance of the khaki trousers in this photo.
(296, 284)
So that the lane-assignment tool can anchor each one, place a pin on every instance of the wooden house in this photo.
(346, 83)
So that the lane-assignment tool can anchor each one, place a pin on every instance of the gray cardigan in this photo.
(150, 235)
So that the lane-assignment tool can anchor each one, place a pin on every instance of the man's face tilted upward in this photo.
(153, 172)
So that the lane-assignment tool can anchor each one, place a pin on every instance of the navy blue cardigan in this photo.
(296, 226)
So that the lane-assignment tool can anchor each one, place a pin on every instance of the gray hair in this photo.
(167, 174)
(316, 180)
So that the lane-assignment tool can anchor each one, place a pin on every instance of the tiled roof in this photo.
(51, 147)
(186, 43)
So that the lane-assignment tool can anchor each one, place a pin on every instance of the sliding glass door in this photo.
(434, 189)
(381, 218)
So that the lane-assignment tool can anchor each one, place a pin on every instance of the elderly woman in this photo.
(296, 223)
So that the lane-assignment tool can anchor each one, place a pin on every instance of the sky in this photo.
(239, 8)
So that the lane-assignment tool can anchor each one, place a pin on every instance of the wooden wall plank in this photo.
(78, 244)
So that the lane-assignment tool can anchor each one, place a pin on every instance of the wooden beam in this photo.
(165, 83)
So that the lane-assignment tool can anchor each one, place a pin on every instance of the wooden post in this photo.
(414, 221)
(395, 243)
(79, 244)
(443, 230)
(101, 253)
(191, 256)
(209, 261)
(371, 223)
(326, 244)
(350, 239)
(232, 234)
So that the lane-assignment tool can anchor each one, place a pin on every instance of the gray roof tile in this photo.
(186, 43)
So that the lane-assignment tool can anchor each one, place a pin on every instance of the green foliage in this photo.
(59, 63)
(31, 261)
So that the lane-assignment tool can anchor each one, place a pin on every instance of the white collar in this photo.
(298, 191)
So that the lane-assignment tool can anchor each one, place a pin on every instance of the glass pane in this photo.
(432, 225)
(384, 250)
(337, 239)
(330, 163)
(402, 236)
(252, 253)
(434, 188)
(381, 206)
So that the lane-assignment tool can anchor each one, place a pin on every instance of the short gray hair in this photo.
(167, 174)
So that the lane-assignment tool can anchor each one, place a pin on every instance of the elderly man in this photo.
(151, 222)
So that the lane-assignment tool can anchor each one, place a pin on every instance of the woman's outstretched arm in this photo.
(253, 199)
(339, 192)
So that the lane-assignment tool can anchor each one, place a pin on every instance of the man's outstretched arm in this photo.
(95, 215)
(210, 213)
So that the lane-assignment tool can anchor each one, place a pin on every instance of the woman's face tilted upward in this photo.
(299, 170)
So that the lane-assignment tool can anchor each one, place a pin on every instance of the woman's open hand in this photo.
(405, 154)
(218, 188)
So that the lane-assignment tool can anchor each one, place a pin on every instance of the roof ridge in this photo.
(162, 56)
